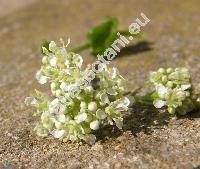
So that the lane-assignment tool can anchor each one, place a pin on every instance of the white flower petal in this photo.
(53, 86)
(44, 115)
(81, 117)
(92, 106)
(186, 86)
(101, 114)
(123, 104)
(52, 46)
(67, 63)
(94, 125)
(78, 60)
(53, 61)
(180, 94)
(159, 103)
(44, 60)
(162, 91)
(118, 122)
(104, 98)
(83, 105)
(41, 79)
(131, 100)
(58, 133)
(161, 70)
(63, 86)
(54, 106)
(56, 122)
(126, 101)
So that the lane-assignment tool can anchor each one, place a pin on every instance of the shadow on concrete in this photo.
(136, 120)
(139, 47)
(141, 120)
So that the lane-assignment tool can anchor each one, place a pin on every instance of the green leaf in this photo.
(45, 44)
(103, 35)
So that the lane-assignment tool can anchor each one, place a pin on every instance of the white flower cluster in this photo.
(173, 89)
(75, 111)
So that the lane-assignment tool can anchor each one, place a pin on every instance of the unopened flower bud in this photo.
(92, 106)
(94, 125)
(161, 70)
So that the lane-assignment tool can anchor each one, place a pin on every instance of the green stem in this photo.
(81, 48)
(143, 100)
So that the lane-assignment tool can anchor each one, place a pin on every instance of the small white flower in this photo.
(131, 100)
(70, 87)
(52, 46)
(58, 133)
(169, 70)
(53, 61)
(44, 115)
(83, 105)
(118, 122)
(174, 75)
(104, 98)
(78, 60)
(180, 94)
(161, 70)
(169, 84)
(123, 104)
(101, 114)
(53, 107)
(92, 106)
(186, 86)
(81, 117)
(67, 63)
(159, 103)
(162, 91)
(164, 78)
(94, 125)
(63, 86)
(44, 60)
(126, 101)
(42, 80)
(62, 108)
(56, 122)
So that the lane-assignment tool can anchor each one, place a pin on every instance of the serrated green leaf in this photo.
(103, 35)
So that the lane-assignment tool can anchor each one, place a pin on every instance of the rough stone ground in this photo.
(149, 139)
